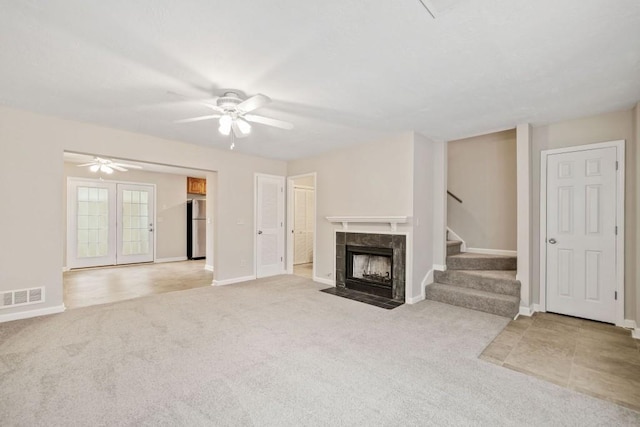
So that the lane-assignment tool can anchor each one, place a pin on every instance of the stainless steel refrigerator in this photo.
(196, 229)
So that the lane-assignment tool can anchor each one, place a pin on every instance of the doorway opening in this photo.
(127, 230)
(301, 225)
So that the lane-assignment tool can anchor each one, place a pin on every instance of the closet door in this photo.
(299, 226)
(310, 224)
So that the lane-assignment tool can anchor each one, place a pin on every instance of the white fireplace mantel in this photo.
(393, 221)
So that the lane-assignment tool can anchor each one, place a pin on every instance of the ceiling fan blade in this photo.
(267, 121)
(125, 165)
(199, 101)
(236, 130)
(117, 167)
(86, 164)
(253, 103)
(197, 119)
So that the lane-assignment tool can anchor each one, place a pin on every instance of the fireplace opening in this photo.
(370, 270)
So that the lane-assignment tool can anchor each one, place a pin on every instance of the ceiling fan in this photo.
(107, 166)
(231, 111)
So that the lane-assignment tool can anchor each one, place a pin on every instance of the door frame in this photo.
(69, 207)
(290, 187)
(620, 183)
(255, 222)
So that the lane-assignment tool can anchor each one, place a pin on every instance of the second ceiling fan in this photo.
(231, 111)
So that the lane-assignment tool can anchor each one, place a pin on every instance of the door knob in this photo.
(259, 231)
(552, 241)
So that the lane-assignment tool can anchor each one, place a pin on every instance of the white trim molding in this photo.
(503, 252)
(172, 259)
(524, 233)
(620, 200)
(328, 282)
(439, 267)
(232, 281)
(208, 267)
(393, 221)
(428, 280)
(32, 313)
(636, 333)
(452, 235)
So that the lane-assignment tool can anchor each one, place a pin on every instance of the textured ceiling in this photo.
(342, 71)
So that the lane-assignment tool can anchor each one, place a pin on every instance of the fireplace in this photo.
(373, 263)
(370, 270)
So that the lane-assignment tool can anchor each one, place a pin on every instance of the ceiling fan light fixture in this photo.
(94, 168)
(106, 169)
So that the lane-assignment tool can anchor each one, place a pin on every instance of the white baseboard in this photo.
(415, 300)
(208, 267)
(173, 259)
(453, 236)
(428, 279)
(525, 311)
(329, 282)
(65, 269)
(636, 333)
(32, 313)
(439, 267)
(492, 251)
(629, 324)
(232, 281)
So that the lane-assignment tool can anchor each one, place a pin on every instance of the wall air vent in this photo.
(21, 297)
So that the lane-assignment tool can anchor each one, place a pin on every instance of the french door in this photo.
(109, 223)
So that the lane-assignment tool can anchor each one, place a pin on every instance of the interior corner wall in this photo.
(636, 143)
(367, 179)
(601, 128)
(171, 206)
(482, 172)
(423, 212)
(31, 171)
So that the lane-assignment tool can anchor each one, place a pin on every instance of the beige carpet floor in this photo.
(273, 352)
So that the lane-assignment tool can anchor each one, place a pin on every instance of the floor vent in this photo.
(21, 297)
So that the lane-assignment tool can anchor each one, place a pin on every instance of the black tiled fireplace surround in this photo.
(396, 242)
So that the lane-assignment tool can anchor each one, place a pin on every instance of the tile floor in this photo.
(92, 286)
(303, 270)
(595, 358)
(381, 302)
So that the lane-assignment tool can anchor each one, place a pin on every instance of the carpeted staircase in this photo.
(477, 281)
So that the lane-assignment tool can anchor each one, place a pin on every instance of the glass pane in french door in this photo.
(136, 223)
(91, 239)
(92, 222)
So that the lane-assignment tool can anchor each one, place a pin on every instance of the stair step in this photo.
(499, 304)
(453, 247)
(472, 261)
(496, 281)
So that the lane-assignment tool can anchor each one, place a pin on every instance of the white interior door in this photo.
(581, 233)
(303, 225)
(91, 235)
(310, 223)
(269, 225)
(135, 223)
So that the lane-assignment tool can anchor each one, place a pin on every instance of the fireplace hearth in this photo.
(372, 263)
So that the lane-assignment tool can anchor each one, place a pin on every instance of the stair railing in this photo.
(454, 196)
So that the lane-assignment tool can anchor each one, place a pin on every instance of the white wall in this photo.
(31, 168)
(605, 127)
(394, 176)
(482, 172)
(171, 203)
(369, 179)
(423, 212)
